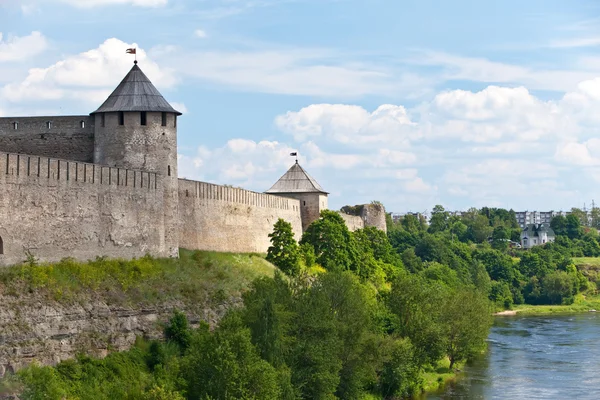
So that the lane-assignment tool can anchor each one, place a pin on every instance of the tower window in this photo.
(305, 203)
(48, 125)
(169, 170)
(121, 118)
(82, 123)
(143, 118)
(15, 125)
(102, 120)
(164, 119)
(1, 246)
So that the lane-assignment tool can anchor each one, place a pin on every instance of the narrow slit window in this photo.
(1, 246)
(164, 119)
(143, 117)
(121, 118)
(169, 170)
(48, 125)
(15, 125)
(82, 123)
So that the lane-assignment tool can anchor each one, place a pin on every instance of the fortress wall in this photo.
(374, 215)
(353, 222)
(221, 218)
(69, 137)
(57, 208)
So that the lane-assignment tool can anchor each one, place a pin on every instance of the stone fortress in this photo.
(106, 184)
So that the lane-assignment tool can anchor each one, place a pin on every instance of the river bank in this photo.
(582, 304)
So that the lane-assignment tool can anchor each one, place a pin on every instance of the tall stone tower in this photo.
(136, 128)
(298, 184)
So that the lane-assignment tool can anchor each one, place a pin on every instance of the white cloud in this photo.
(15, 48)
(199, 33)
(296, 71)
(88, 76)
(477, 69)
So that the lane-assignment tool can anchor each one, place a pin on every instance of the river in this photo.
(542, 357)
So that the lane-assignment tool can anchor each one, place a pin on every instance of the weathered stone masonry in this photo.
(106, 185)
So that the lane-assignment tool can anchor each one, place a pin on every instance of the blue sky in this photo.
(412, 103)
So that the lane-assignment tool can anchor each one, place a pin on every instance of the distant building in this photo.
(525, 218)
(536, 235)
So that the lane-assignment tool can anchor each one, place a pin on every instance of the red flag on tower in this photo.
(131, 51)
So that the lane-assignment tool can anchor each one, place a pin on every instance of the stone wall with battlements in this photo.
(57, 208)
(222, 218)
(68, 137)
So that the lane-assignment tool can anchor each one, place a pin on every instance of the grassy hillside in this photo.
(197, 277)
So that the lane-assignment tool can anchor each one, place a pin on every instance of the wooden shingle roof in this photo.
(136, 93)
(296, 180)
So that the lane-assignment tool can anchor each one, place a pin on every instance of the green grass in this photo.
(435, 379)
(582, 304)
(196, 277)
(586, 261)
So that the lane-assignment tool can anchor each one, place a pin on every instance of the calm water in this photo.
(555, 357)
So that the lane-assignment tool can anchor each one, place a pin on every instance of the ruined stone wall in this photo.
(220, 218)
(67, 137)
(374, 215)
(353, 222)
(364, 215)
(57, 208)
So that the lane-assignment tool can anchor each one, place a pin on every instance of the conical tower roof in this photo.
(296, 180)
(136, 93)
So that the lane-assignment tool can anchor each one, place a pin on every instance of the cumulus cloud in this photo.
(89, 76)
(15, 48)
(484, 146)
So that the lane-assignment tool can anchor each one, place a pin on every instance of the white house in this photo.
(536, 235)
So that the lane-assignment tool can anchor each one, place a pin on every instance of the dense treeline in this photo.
(479, 240)
(353, 317)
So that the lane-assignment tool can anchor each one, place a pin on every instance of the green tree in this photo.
(467, 319)
(439, 219)
(501, 295)
(559, 225)
(573, 226)
(284, 252)
(334, 245)
(225, 365)
(401, 374)
(500, 238)
(559, 287)
(178, 330)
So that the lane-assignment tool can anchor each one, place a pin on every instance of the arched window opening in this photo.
(48, 125)
(164, 119)
(15, 125)
(1, 246)
(82, 123)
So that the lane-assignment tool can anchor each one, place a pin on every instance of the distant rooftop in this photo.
(136, 93)
(296, 180)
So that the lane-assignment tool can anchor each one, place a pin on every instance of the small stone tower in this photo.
(298, 184)
(136, 128)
